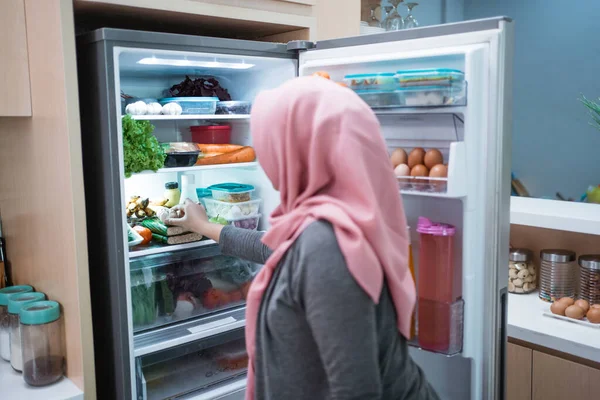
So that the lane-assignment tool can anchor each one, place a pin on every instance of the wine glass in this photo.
(373, 21)
(394, 21)
(385, 16)
(410, 21)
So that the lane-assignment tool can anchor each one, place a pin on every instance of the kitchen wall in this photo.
(557, 58)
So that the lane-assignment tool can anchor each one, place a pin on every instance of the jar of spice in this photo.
(15, 302)
(589, 278)
(41, 341)
(522, 273)
(557, 274)
(4, 320)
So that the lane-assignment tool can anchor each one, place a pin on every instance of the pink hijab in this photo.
(321, 147)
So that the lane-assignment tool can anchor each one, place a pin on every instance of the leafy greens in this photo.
(141, 150)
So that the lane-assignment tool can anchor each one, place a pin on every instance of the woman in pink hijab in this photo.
(328, 316)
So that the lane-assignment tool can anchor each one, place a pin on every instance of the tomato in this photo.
(322, 74)
(145, 233)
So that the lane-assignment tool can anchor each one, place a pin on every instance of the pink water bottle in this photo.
(440, 287)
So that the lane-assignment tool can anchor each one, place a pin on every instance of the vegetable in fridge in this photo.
(141, 150)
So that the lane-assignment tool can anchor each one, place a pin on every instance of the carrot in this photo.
(245, 154)
(217, 148)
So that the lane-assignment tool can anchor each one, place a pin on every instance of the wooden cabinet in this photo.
(518, 372)
(15, 90)
(555, 378)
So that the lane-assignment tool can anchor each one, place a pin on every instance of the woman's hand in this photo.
(193, 218)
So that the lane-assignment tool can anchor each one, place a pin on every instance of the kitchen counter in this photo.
(527, 323)
(12, 386)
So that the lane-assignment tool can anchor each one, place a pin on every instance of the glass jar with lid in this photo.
(557, 274)
(15, 303)
(4, 321)
(589, 278)
(41, 342)
(522, 272)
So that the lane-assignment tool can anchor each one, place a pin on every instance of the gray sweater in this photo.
(319, 336)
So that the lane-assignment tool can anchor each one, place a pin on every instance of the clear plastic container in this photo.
(438, 277)
(428, 96)
(441, 325)
(231, 210)
(423, 184)
(15, 303)
(246, 222)
(429, 77)
(41, 340)
(4, 319)
(233, 107)
(380, 81)
(232, 192)
(180, 154)
(193, 105)
(557, 274)
(388, 99)
(522, 272)
(589, 278)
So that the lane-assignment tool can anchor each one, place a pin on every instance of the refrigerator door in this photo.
(147, 63)
(479, 172)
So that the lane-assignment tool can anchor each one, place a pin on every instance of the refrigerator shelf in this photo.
(199, 168)
(207, 117)
(158, 249)
(455, 110)
(189, 331)
(414, 346)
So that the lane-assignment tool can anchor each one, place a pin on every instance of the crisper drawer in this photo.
(211, 368)
(175, 286)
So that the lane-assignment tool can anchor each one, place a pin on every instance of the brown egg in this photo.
(398, 157)
(567, 300)
(439, 171)
(593, 315)
(402, 170)
(419, 170)
(595, 306)
(583, 304)
(416, 157)
(574, 312)
(558, 308)
(433, 157)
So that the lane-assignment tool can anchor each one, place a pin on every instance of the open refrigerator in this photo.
(157, 332)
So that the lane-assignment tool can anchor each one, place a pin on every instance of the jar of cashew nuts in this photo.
(522, 273)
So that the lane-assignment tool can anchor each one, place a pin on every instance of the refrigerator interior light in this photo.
(191, 63)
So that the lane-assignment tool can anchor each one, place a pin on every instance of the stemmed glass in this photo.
(384, 17)
(410, 21)
(373, 21)
(394, 21)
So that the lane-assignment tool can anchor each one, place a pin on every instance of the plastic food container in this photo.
(429, 77)
(180, 154)
(233, 107)
(231, 192)
(589, 278)
(381, 81)
(231, 211)
(193, 105)
(211, 134)
(15, 303)
(382, 99)
(4, 319)
(557, 274)
(522, 272)
(441, 325)
(41, 339)
(246, 222)
(423, 96)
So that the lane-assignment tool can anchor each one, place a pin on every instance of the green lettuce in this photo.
(141, 150)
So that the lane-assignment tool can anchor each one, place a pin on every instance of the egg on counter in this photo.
(558, 308)
(574, 312)
(398, 157)
(432, 158)
(593, 315)
(416, 157)
(402, 170)
(583, 304)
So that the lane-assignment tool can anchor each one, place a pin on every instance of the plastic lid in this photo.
(367, 75)
(195, 98)
(40, 312)
(557, 255)
(210, 128)
(6, 292)
(232, 187)
(17, 301)
(188, 179)
(429, 70)
(203, 192)
(590, 261)
(425, 225)
(171, 185)
(520, 255)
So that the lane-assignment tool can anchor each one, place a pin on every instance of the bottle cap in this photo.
(39, 312)
(17, 301)
(171, 185)
(7, 291)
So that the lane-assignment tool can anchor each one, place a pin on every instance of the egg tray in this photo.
(423, 184)
(583, 322)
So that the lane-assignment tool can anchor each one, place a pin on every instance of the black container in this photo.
(184, 159)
